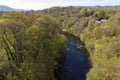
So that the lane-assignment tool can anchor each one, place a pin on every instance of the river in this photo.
(75, 62)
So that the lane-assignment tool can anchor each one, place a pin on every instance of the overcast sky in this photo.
(42, 4)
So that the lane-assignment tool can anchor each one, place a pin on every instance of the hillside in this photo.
(99, 29)
(31, 43)
(5, 8)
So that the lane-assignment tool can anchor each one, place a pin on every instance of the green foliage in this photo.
(73, 19)
(101, 39)
(102, 42)
(31, 44)
(31, 41)
(69, 24)
(100, 14)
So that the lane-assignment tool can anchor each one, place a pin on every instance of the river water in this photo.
(75, 62)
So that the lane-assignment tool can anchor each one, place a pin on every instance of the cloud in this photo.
(41, 4)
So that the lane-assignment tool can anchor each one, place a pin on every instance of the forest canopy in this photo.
(99, 28)
(31, 42)
(30, 45)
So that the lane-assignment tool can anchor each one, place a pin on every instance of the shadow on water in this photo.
(75, 62)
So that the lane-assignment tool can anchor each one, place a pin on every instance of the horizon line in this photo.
(63, 6)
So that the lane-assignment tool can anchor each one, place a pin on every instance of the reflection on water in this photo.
(75, 62)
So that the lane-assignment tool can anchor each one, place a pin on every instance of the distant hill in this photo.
(6, 8)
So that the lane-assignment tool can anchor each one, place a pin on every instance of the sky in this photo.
(42, 4)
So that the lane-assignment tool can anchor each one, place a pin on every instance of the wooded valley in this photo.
(31, 42)
(99, 28)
